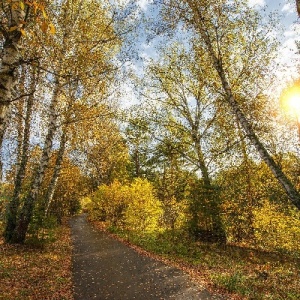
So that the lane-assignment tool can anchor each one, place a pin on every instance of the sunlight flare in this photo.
(290, 100)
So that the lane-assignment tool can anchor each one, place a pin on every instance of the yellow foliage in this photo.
(144, 209)
(85, 203)
(132, 206)
(175, 213)
(277, 229)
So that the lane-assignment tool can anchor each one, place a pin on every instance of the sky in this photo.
(291, 32)
(288, 57)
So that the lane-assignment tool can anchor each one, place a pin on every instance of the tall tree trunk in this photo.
(20, 231)
(9, 63)
(249, 205)
(22, 163)
(290, 189)
(56, 173)
(210, 193)
(2, 132)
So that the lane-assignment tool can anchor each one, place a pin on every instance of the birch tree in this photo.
(23, 154)
(76, 53)
(187, 112)
(16, 17)
(219, 27)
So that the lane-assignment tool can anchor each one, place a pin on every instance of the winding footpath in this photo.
(104, 268)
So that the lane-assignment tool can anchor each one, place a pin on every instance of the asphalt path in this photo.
(104, 268)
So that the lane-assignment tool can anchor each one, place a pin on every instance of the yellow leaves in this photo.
(38, 9)
(44, 26)
(133, 205)
(277, 229)
(18, 28)
(23, 32)
(13, 28)
(27, 268)
(44, 14)
(22, 5)
(52, 28)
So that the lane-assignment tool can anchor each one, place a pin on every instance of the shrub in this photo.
(132, 206)
(143, 208)
(277, 229)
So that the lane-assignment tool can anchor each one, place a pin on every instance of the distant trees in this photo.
(186, 114)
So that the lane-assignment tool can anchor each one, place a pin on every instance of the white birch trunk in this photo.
(22, 163)
(27, 209)
(9, 64)
(56, 173)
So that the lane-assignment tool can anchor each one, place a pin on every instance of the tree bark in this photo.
(56, 173)
(218, 231)
(10, 62)
(290, 189)
(20, 231)
(20, 173)
(2, 132)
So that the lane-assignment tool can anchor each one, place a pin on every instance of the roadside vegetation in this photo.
(264, 267)
(236, 271)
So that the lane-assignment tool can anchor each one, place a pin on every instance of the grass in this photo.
(240, 272)
(38, 269)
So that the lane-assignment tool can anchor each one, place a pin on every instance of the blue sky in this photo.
(288, 57)
(285, 8)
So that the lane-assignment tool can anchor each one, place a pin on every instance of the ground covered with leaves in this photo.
(37, 270)
(235, 271)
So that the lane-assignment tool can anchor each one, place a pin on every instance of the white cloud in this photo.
(288, 8)
(256, 2)
(143, 4)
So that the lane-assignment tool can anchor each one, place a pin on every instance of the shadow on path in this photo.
(104, 268)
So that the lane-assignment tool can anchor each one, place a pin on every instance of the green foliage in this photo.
(243, 189)
(231, 282)
(41, 229)
(174, 213)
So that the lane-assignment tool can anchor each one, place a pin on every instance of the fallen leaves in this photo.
(235, 271)
(35, 273)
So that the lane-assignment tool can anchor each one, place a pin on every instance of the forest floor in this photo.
(38, 270)
(112, 266)
(105, 268)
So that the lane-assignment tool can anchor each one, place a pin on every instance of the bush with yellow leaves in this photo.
(277, 228)
(132, 206)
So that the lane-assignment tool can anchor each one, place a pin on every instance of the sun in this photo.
(294, 103)
(290, 100)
